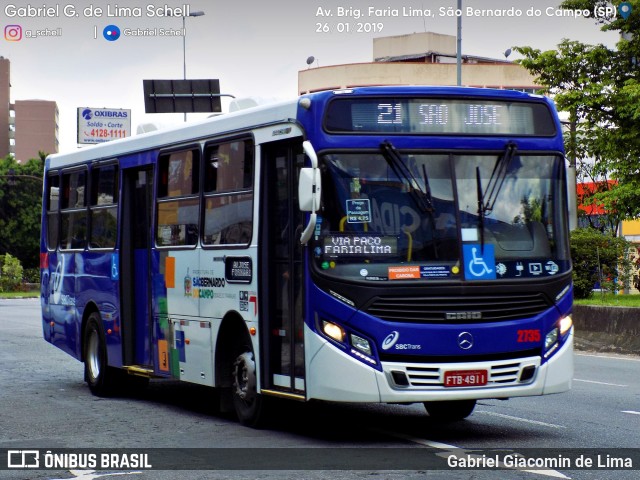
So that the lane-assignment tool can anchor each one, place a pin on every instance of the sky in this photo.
(254, 47)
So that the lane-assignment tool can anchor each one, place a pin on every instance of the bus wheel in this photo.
(96, 372)
(450, 411)
(246, 400)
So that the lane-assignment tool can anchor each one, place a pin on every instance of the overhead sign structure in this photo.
(99, 125)
(178, 96)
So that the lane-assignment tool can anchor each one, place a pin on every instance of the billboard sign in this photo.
(99, 125)
(173, 96)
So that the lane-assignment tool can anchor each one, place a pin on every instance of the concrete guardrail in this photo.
(607, 329)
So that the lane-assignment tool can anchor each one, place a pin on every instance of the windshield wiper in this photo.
(422, 198)
(481, 211)
(498, 176)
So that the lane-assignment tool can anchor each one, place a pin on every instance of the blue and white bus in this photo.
(378, 244)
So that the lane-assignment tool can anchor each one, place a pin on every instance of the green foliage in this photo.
(20, 209)
(600, 88)
(611, 300)
(11, 276)
(598, 258)
(31, 275)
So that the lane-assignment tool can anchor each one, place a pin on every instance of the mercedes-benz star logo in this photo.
(465, 340)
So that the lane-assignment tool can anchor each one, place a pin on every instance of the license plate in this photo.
(465, 378)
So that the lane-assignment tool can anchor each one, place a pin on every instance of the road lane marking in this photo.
(631, 359)
(449, 450)
(420, 441)
(93, 474)
(599, 383)
(631, 412)
(520, 419)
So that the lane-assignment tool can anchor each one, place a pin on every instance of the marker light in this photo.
(305, 103)
(565, 324)
(333, 331)
(361, 344)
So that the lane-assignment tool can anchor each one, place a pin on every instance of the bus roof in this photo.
(207, 128)
(263, 115)
(435, 91)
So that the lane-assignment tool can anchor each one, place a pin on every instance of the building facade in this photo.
(36, 128)
(418, 59)
(6, 120)
(28, 126)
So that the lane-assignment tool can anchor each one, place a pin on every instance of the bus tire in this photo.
(450, 411)
(247, 402)
(97, 373)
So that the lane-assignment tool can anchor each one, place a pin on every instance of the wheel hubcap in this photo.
(244, 377)
(93, 355)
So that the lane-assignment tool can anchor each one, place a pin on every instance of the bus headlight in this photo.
(361, 344)
(333, 331)
(565, 324)
(561, 329)
(550, 339)
(357, 346)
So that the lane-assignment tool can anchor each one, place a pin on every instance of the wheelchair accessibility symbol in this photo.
(115, 261)
(479, 262)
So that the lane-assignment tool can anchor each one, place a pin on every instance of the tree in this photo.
(598, 259)
(600, 89)
(11, 273)
(20, 209)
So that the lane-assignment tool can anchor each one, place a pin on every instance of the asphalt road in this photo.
(44, 404)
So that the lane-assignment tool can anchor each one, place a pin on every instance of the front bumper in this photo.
(335, 376)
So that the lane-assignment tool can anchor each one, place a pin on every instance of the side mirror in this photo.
(309, 191)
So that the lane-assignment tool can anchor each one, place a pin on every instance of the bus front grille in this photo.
(457, 309)
(431, 376)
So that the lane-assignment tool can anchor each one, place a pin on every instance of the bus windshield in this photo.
(385, 210)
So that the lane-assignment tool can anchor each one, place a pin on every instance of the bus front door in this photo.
(135, 281)
(281, 269)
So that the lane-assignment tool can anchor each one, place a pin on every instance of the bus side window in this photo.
(73, 232)
(228, 202)
(53, 215)
(104, 207)
(178, 199)
(229, 166)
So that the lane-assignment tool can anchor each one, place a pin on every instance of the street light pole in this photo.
(198, 13)
(459, 46)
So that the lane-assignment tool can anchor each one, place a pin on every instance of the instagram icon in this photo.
(13, 33)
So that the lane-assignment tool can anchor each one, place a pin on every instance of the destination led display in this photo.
(438, 116)
(358, 245)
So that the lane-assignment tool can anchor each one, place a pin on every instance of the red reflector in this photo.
(44, 260)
